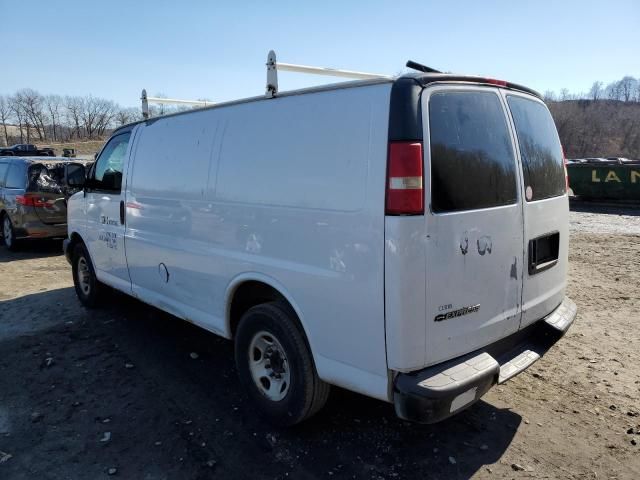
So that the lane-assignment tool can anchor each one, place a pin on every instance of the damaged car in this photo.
(33, 196)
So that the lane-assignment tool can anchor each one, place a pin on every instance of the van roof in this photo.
(420, 78)
(427, 78)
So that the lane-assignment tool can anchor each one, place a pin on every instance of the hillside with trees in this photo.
(29, 117)
(604, 122)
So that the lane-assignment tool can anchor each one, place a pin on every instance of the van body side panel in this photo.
(291, 189)
(303, 202)
(169, 216)
(405, 264)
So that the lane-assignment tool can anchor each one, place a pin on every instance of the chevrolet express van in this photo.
(402, 238)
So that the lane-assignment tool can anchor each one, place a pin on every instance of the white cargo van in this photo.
(403, 238)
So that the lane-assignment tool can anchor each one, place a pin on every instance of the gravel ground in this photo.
(116, 392)
(605, 219)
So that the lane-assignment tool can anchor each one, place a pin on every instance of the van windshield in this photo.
(540, 148)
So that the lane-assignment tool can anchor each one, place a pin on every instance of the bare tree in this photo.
(614, 91)
(15, 107)
(595, 93)
(96, 115)
(5, 112)
(73, 112)
(33, 107)
(126, 115)
(564, 94)
(627, 86)
(53, 104)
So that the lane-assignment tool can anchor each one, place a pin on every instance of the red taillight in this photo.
(493, 81)
(30, 200)
(405, 195)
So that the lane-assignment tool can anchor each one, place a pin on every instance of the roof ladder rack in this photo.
(273, 66)
(168, 101)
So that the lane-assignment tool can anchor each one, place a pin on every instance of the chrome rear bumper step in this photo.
(437, 392)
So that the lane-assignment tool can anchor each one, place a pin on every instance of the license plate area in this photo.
(543, 252)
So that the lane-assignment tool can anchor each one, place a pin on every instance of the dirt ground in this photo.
(86, 395)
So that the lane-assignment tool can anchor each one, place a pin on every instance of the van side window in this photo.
(16, 178)
(540, 148)
(108, 167)
(472, 159)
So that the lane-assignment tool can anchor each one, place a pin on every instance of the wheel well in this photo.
(249, 294)
(75, 238)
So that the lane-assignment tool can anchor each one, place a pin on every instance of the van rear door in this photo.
(45, 181)
(474, 222)
(546, 206)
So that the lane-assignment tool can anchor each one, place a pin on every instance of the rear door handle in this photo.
(122, 212)
(543, 252)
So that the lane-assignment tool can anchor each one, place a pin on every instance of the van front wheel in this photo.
(276, 367)
(88, 288)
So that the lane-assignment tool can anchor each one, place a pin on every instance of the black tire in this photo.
(89, 289)
(306, 393)
(9, 240)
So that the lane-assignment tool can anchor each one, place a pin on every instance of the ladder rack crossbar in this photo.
(272, 81)
(332, 72)
(175, 101)
(273, 66)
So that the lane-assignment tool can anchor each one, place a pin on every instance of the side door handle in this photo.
(122, 212)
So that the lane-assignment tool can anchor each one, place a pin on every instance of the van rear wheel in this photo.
(275, 365)
(88, 287)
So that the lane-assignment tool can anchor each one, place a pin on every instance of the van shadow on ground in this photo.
(33, 248)
(127, 369)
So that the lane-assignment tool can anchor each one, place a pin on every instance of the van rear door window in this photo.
(540, 148)
(472, 159)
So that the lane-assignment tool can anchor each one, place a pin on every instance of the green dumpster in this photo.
(605, 179)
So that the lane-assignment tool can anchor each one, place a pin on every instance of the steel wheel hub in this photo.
(84, 276)
(269, 366)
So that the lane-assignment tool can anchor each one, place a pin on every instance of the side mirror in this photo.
(76, 175)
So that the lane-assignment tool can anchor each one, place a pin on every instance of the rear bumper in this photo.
(437, 392)
(36, 229)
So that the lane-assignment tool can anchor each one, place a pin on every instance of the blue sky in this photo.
(217, 50)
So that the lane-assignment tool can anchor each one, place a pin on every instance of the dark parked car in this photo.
(26, 150)
(33, 196)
